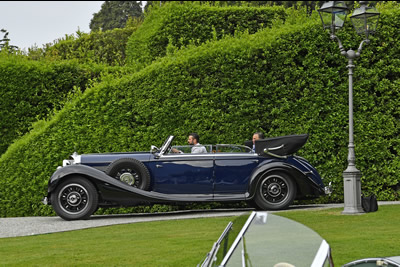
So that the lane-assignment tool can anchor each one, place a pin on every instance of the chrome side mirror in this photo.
(154, 149)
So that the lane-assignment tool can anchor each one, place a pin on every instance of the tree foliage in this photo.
(101, 47)
(115, 14)
(309, 5)
(5, 42)
(173, 26)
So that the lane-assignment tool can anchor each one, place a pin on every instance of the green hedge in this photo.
(290, 79)
(99, 47)
(32, 90)
(178, 25)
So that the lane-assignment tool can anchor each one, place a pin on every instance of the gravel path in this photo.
(26, 226)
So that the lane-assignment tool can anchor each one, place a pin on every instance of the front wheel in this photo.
(75, 199)
(275, 191)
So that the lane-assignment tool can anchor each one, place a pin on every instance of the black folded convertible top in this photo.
(282, 145)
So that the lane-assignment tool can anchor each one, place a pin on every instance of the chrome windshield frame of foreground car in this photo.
(253, 245)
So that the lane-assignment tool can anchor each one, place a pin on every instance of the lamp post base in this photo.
(352, 191)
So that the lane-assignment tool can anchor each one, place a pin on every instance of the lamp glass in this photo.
(333, 14)
(365, 20)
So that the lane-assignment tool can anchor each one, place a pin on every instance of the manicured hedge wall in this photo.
(287, 80)
(31, 90)
(178, 25)
(97, 47)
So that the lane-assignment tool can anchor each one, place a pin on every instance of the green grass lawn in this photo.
(352, 237)
(186, 242)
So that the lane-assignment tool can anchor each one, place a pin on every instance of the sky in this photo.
(35, 23)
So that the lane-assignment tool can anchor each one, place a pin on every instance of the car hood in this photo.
(110, 157)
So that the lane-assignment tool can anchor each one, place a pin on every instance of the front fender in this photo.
(69, 170)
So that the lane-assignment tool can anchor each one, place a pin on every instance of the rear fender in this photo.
(305, 185)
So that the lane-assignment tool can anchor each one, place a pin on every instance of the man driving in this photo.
(193, 140)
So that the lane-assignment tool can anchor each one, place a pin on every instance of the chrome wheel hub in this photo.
(274, 189)
(73, 198)
(128, 178)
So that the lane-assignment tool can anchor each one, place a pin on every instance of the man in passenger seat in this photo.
(256, 136)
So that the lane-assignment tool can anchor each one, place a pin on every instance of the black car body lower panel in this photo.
(113, 191)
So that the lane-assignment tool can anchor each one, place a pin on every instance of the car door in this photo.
(183, 173)
(232, 172)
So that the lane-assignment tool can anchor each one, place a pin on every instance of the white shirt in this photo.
(198, 148)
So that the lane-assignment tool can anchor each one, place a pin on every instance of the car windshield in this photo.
(269, 240)
(168, 148)
(166, 144)
(211, 149)
(223, 148)
(188, 149)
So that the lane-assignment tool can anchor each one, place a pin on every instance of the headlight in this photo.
(74, 159)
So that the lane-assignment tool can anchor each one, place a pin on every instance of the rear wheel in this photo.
(130, 171)
(75, 199)
(275, 191)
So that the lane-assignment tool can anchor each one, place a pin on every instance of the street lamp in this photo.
(365, 20)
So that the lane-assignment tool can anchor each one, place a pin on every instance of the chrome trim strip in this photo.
(239, 238)
(377, 261)
(275, 148)
(211, 256)
(322, 255)
(209, 155)
(268, 152)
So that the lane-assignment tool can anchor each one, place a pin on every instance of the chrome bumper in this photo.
(45, 201)
(328, 189)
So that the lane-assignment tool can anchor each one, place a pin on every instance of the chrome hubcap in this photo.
(73, 198)
(128, 178)
(274, 189)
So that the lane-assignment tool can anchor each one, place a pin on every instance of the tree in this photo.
(153, 3)
(115, 14)
(5, 42)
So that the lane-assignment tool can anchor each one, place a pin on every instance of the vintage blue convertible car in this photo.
(269, 178)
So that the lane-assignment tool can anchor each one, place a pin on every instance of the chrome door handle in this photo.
(159, 166)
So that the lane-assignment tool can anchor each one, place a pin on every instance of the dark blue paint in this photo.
(177, 175)
(232, 174)
(226, 176)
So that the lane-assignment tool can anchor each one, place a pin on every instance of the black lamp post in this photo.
(365, 20)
